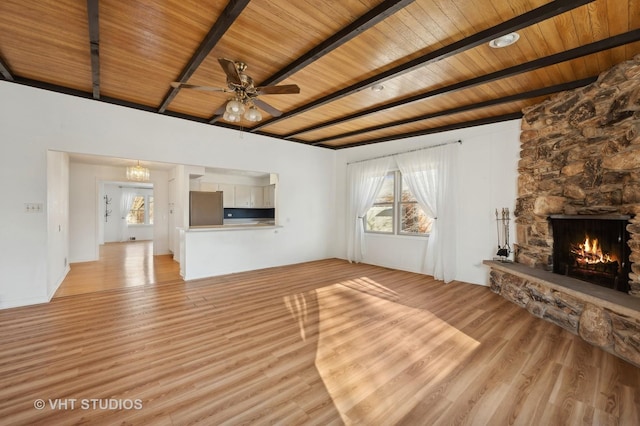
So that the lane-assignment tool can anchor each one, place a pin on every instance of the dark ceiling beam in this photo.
(226, 19)
(527, 19)
(449, 127)
(545, 91)
(94, 42)
(363, 23)
(588, 49)
(5, 71)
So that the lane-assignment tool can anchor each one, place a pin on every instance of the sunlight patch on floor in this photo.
(370, 380)
(382, 378)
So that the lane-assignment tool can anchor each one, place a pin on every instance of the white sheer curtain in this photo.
(365, 180)
(430, 174)
(126, 202)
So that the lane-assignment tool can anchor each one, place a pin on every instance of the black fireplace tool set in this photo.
(502, 226)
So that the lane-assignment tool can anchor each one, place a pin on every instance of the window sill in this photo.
(385, 235)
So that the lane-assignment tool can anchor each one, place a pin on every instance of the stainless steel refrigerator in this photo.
(205, 208)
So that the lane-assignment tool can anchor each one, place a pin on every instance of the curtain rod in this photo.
(135, 187)
(405, 152)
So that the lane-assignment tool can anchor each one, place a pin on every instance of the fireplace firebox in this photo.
(592, 248)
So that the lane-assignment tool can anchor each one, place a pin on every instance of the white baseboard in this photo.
(55, 288)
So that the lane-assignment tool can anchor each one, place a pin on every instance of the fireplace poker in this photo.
(506, 230)
(498, 231)
(503, 237)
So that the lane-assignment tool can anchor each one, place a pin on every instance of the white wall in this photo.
(57, 219)
(487, 180)
(311, 190)
(33, 121)
(111, 226)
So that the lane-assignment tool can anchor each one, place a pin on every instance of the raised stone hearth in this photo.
(603, 317)
(581, 156)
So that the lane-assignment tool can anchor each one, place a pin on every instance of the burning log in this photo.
(588, 256)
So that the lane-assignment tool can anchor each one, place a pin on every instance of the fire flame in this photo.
(590, 252)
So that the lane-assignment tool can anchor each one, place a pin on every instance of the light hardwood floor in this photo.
(319, 343)
(120, 265)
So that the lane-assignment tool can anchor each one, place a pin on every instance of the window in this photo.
(380, 216)
(396, 210)
(141, 212)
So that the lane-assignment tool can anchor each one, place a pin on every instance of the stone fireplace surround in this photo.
(580, 155)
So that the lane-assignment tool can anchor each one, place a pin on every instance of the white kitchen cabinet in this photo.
(269, 196)
(243, 196)
(228, 194)
(247, 196)
(257, 196)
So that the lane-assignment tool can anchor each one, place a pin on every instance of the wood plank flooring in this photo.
(120, 265)
(320, 343)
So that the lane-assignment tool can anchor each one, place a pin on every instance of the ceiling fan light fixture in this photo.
(234, 106)
(231, 117)
(253, 114)
(504, 41)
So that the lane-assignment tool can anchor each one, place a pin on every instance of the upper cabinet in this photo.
(228, 194)
(257, 197)
(269, 192)
(240, 189)
(243, 196)
(249, 196)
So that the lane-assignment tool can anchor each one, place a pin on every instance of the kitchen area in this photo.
(224, 204)
(213, 211)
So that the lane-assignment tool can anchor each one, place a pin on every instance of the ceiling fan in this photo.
(245, 93)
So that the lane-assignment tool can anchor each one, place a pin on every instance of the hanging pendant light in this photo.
(231, 117)
(138, 173)
(253, 114)
(235, 106)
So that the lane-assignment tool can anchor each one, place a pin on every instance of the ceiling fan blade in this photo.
(268, 108)
(220, 110)
(278, 90)
(229, 68)
(196, 87)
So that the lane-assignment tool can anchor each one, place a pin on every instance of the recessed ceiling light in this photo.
(504, 41)
(377, 88)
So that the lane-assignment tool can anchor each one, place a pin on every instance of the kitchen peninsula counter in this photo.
(233, 227)
(207, 251)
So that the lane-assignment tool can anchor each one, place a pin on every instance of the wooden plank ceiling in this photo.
(432, 58)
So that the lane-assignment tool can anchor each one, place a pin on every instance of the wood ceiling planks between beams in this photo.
(366, 21)
(506, 99)
(529, 18)
(227, 17)
(449, 127)
(599, 46)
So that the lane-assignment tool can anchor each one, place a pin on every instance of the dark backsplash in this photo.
(249, 213)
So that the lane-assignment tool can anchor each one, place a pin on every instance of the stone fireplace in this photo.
(581, 156)
(580, 160)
